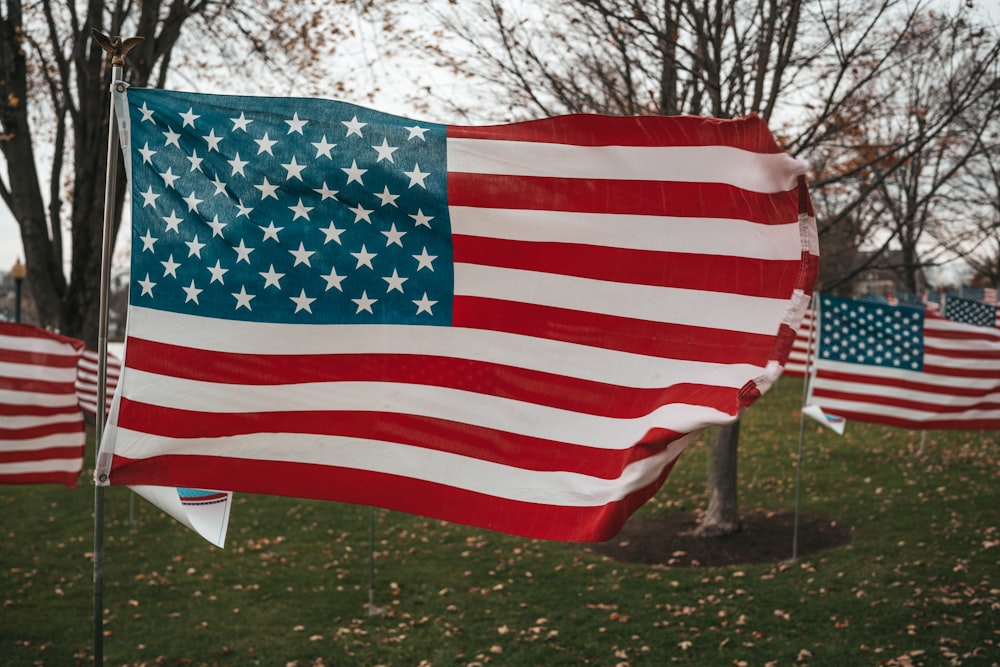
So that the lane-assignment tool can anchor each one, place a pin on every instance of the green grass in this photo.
(918, 585)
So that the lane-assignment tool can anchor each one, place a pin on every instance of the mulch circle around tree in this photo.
(765, 537)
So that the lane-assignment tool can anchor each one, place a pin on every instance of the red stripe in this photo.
(551, 522)
(972, 353)
(45, 477)
(656, 339)
(70, 453)
(8, 435)
(51, 387)
(32, 358)
(697, 200)
(12, 410)
(511, 382)
(901, 382)
(900, 422)
(711, 273)
(468, 440)
(750, 133)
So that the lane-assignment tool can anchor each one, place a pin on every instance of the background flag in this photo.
(517, 327)
(86, 379)
(41, 426)
(903, 367)
(204, 512)
(832, 422)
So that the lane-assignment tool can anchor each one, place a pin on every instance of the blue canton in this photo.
(872, 334)
(288, 211)
(970, 312)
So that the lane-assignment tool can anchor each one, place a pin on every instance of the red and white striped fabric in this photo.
(41, 427)
(619, 285)
(86, 380)
(798, 358)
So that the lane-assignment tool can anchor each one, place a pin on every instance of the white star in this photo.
(353, 126)
(296, 125)
(364, 303)
(237, 164)
(264, 145)
(395, 282)
(192, 292)
(147, 113)
(147, 154)
(243, 299)
(271, 277)
(353, 173)
(169, 178)
(147, 242)
(333, 280)
(192, 202)
(194, 248)
(267, 190)
(173, 221)
(243, 253)
(417, 131)
(325, 192)
(425, 261)
(323, 148)
(422, 220)
(424, 305)
(194, 160)
(302, 301)
(387, 198)
(217, 273)
(300, 210)
(243, 210)
(220, 187)
(172, 138)
(149, 198)
(170, 267)
(393, 236)
(302, 255)
(417, 177)
(361, 213)
(270, 232)
(147, 284)
(213, 141)
(364, 258)
(294, 169)
(385, 151)
(189, 118)
(240, 123)
(332, 234)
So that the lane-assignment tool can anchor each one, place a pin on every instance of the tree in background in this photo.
(54, 113)
(828, 75)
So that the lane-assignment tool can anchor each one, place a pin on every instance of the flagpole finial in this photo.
(115, 46)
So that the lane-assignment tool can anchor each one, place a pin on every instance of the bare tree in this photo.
(54, 115)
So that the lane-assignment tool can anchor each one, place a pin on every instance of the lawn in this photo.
(918, 584)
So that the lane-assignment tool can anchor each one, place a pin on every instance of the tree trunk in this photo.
(722, 516)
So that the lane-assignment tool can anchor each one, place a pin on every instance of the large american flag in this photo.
(517, 327)
(41, 426)
(903, 366)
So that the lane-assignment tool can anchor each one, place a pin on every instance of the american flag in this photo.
(41, 427)
(86, 379)
(517, 327)
(903, 366)
(798, 361)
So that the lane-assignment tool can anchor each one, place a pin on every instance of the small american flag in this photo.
(518, 327)
(41, 427)
(86, 379)
(905, 367)
(972, 312)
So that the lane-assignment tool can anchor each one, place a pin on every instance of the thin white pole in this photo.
(802, 429)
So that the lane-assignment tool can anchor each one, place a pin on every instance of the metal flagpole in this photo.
(802, 428)
(116, 49)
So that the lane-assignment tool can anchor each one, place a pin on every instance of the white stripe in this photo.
(47, 465)
(38, 345)
(455, 405)
(931, 397)
(26, 372)
(73, 438)
(931, 380)
(757, 172)
(31, 421)
(699, 236)
(36, 399)
(834, 406)
(714, 310)
(494, 479)
(567, 359)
